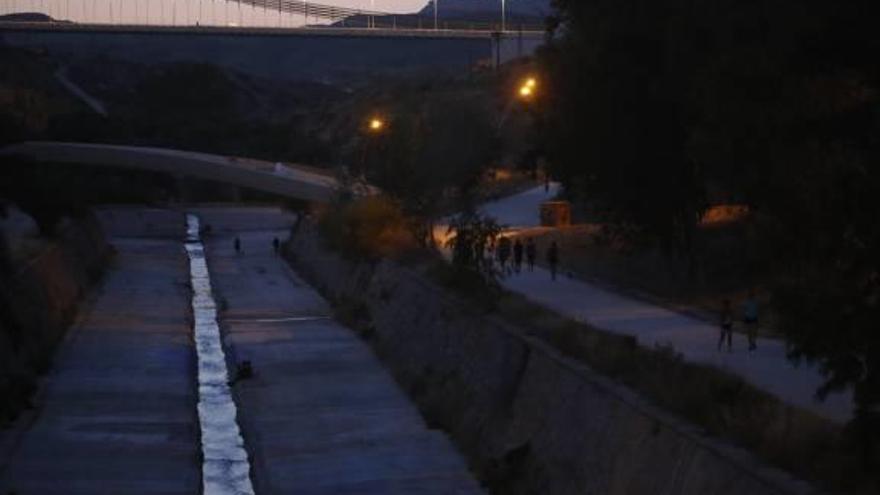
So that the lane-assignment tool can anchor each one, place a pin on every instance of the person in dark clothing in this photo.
(750, 318)
(503, 253)
(726, 326)
(553, 259)
(237, 244)
(531, 253)
(517, 255)
(276, 245)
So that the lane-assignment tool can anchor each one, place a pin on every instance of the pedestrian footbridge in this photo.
(285, 180)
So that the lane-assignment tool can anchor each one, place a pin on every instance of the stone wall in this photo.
(39, 299)
(529, 420)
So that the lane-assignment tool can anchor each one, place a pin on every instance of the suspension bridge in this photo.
(238, 14)
(271, 38)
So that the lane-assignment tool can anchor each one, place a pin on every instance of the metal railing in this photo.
(353, 18)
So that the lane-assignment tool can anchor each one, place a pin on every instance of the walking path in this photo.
(321, 415)
(767, 368)
(116, 414)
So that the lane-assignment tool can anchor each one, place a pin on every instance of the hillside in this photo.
(489, 9)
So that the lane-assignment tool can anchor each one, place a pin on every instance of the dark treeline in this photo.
(659, 109)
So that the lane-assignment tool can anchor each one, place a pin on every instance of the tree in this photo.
(431, 155)
(616, 117)
(771, 103)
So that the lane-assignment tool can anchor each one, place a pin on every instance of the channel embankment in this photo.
(529, 419)
(39, 299)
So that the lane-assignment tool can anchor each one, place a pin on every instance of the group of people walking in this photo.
(510, 255)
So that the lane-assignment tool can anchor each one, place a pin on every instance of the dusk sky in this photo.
(185, 11)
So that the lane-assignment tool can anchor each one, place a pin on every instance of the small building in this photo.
(555, 213)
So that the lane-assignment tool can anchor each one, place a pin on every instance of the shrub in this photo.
(371, 227)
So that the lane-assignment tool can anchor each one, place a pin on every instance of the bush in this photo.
(371, 227)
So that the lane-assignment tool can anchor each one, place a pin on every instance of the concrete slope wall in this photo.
(39, 300)
(529, 420)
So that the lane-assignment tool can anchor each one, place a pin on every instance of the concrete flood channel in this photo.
(139, 400)
(225, 465)
(320, 415)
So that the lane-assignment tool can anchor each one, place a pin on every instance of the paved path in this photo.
(767, 368)
(117, 412)
(321, 416)
(521, 210)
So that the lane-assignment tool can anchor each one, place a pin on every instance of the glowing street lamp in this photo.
(376, 125)
(528, 88)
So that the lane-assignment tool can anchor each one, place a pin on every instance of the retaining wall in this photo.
(38, 302)
(530, 420)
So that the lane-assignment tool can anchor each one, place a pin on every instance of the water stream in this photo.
(225, 468)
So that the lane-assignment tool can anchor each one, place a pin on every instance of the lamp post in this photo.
(373, 128)
(526, 93)
(503, 15)
(376, 125)
(435, 14)
(527, 89)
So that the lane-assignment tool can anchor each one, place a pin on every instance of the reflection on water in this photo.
(226, 469)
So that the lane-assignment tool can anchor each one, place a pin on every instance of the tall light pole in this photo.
(503, 15)
(435, 14)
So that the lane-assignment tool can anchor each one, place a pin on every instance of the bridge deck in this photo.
(347, 32)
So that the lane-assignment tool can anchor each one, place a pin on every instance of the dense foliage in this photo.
(660, 108)
(431, 155)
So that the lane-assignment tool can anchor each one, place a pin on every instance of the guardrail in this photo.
(379, 29)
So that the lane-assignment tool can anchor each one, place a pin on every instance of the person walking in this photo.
(750, 318)
(503, 253)
(276, 245)
(237, 245)
(553, 258)
(531, 253)
(517, 256)
(726, 326)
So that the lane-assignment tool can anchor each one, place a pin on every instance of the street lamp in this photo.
(503, 15)
(376, 125)
(526, 93)
(528, 88)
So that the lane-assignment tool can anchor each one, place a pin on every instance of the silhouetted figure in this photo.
(750, 318)
(243, 371)
(726, 326)
(553, 259)
(237, 245)
(517, 255)
(503, 253)
(276, 245)
(531, 253)
(546, 183)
